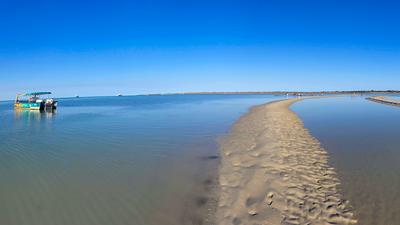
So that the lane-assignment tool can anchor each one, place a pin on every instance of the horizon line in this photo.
(240, 92)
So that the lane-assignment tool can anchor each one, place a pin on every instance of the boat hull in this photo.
(30, 106)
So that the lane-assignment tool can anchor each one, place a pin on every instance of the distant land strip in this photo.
(299, 92)
(291, 93)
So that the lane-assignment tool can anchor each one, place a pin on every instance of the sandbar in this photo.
(273, 171)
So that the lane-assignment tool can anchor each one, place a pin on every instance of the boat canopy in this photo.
(37, 93)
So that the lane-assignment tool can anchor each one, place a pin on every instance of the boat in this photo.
(32, 101)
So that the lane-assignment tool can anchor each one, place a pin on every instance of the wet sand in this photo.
(274, 172)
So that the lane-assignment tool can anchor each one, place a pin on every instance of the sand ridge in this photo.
(274, 172)
(384, 100)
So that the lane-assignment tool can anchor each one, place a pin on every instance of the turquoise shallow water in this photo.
(362, 139)
(139, 160)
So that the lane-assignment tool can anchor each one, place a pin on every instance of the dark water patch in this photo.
(211, 157)
(208, 182)
(201, 201)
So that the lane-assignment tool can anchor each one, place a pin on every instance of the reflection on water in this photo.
(362, 138)
(143, 160)
(33, 115)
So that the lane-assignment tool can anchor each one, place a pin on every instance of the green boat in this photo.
(32, 101)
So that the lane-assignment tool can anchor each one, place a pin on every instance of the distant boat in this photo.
(77, 96)
(119, 95)
(33, 102)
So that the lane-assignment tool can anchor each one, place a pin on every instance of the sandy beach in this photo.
(274, 172)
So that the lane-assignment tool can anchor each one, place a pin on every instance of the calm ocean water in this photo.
(139, 160)
(362, 138)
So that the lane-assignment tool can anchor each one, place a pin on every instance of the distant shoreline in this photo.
(296, 92)
(292, 93)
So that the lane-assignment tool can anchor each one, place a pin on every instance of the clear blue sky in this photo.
(107, 47)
